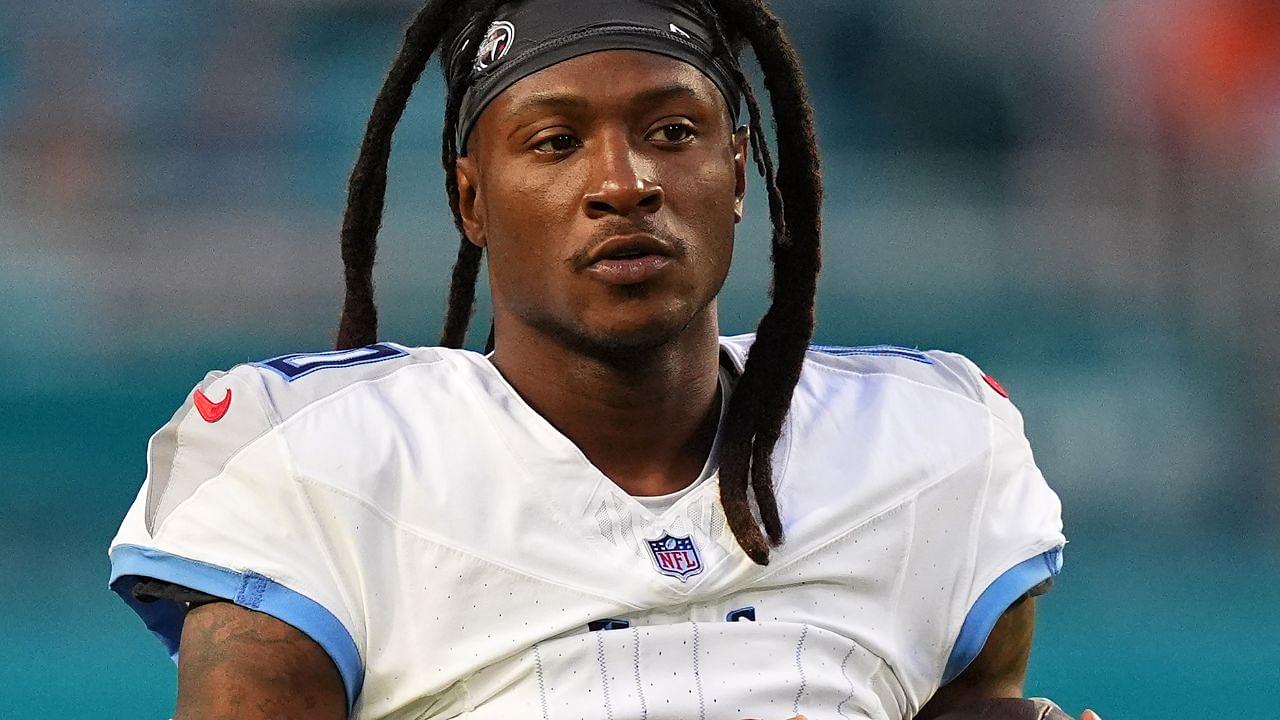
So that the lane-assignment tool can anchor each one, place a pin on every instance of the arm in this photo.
(222, 519)
(237, 663)
(991, 687)
(1017, 551)
(999, 670)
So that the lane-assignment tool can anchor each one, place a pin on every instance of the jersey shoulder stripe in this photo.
(873, 351)
(938, 369)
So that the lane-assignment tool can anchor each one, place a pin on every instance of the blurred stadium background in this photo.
(1082, 196)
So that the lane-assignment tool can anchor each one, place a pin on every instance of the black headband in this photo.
(531, 35)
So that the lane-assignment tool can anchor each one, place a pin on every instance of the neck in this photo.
(647, 422)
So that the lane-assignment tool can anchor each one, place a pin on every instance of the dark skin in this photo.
(241, 664)
(559, 164)
(558, 167)
(999, 670)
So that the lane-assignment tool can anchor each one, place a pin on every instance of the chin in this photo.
(625, 331)
(629, 337)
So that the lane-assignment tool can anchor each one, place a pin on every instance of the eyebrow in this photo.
(553, 101)
(545, 101)
(675, 91)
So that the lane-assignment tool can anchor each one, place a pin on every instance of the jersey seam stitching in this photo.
(178, 457)
(222, 468)
(965, 379)
(913, 497)
(325, 545)
(956, 619)
(276, 425)
(431, 538)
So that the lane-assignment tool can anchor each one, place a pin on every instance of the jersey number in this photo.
(292, 367)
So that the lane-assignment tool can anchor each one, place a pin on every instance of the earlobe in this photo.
(470, 205)
(741, 144)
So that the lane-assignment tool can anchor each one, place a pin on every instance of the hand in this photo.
(1089, 715)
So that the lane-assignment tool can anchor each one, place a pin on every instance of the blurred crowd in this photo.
(1079, 195)
(1083, 193)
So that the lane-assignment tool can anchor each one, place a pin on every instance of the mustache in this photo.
(582, 257)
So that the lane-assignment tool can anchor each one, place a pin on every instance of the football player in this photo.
(616, 513)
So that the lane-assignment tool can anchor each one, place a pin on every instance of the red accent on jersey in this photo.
(212, 411)
(995, 385)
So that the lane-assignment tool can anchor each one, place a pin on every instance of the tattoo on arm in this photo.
(242, 664)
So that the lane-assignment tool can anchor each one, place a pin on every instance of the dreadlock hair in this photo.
(762, 396)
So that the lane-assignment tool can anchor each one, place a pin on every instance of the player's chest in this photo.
(498, 644)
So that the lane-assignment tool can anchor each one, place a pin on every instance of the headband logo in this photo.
(497, 43)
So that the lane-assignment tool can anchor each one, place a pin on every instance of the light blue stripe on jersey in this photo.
(250, 590)
(874, 351)
(997, 598)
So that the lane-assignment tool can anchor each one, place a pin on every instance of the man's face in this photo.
(606, 189)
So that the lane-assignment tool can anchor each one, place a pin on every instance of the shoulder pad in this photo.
(980, 386)
(225, 413)
(937, 368)
(228, 411)
(292, 382)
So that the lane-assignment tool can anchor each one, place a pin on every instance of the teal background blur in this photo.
(1080, 196)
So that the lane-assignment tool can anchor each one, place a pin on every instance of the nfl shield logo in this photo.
(675, 556)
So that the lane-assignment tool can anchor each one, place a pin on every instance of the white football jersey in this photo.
(458, 557)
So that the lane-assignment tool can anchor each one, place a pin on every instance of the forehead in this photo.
(601, 81)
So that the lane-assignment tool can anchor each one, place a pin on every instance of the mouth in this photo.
(630, 259)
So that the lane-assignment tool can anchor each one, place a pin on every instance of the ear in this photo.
(741, 148)
(470, 203)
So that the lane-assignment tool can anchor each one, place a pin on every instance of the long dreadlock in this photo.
(759, 403)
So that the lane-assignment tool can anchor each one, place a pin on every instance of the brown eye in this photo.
(558, 144)
(673, 134)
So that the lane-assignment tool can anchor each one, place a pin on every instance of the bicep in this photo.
(1000, 668)
(239, 663)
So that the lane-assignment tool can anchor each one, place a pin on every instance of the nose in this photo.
(624, 184)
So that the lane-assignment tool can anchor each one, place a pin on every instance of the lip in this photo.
(630, 259)
(630, 245)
